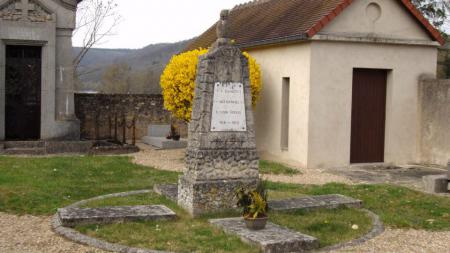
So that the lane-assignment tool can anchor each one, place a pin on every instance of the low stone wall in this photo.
(435, 121)
(97, 114)
(443, 70)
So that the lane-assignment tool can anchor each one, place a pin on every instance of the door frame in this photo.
(45, 75)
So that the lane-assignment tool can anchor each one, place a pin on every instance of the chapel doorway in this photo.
(368, 115)
(23, 92)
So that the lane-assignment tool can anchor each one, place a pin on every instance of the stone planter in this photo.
(256, 224)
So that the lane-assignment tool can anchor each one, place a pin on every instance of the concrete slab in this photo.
(71, 217)
(163, 143)
(273, 239)
(436, 183)
(315, 202)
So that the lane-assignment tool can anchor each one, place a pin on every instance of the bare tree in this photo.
(96, 20)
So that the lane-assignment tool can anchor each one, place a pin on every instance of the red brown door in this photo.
(368, 115)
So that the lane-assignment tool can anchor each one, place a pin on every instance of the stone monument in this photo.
(221, 154)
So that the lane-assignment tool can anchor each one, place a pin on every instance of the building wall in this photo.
(387, 20)
(292, 61)
(332, 66)
(435, 121)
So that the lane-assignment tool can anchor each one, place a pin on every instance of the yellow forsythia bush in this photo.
(178, 82)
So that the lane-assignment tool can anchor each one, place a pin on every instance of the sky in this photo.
(147, 22)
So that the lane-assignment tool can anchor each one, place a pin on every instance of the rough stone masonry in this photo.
(221, 154)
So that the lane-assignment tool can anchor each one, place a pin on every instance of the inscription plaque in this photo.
(228, 112)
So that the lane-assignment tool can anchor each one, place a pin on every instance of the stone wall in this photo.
(100, 110)
(435, 121)
(443, 70)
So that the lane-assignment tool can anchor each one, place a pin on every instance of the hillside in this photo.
(148, 61)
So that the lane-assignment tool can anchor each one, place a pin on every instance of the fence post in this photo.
(96, 127)
(115, 127)
(110, 126)
(134, 130)
(124, 129)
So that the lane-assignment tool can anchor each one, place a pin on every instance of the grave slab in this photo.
(71, 217)
(315, 202)
(156, 137)
(272, 239)
(164, 143)
(170, 191)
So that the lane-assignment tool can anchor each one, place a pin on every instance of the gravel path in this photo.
(30, 234)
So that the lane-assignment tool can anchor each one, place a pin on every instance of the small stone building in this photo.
(36, 70)
(340, 77)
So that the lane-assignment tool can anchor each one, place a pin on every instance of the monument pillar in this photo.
(221, 155)
(65, 109)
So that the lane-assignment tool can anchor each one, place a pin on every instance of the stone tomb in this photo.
(221, 154)
(156, 137)
(36, 70)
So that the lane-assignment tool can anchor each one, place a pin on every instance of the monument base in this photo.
(200, 197)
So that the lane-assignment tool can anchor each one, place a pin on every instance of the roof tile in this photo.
(267, 21)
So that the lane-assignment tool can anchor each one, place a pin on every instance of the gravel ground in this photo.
(171, 160)
(396, 240)
(30, 234)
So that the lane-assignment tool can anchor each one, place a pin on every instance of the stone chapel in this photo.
(36, 70)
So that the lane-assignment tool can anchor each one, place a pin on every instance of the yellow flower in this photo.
(178, 82)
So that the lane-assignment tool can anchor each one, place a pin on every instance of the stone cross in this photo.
(25, 7)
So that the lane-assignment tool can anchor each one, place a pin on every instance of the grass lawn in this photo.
(329, 226)
(268, 167)
(39, 186)
(397, 206)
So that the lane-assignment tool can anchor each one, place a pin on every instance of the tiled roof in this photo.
(263, 22)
